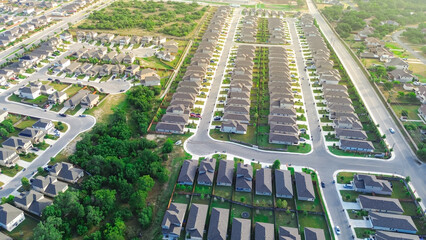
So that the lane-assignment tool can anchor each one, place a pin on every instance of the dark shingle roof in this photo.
(304, 185)
(264, 231)
(241, 229)
(382, 235)
(187, 172)
(289, 233)
(197, 220)
(218, 225)
(264, 180)
(226, 172)
(283, 182)
(314, 234)
(394, 221)
(380, 203)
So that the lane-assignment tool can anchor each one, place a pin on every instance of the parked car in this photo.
(217, 118)
(217, 127)
(347, 186)
(391, 130)
(62, 114)
(322, 184)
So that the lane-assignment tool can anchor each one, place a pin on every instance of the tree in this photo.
(388, 85)
(404, 113)
(48, 230)
(40, 170)
(3, 132)
(407, 179)
(138, 200)
(145, 216)
(116, 231)
(167, 146)
(145, 183)
(93, 215)
(284, 204)
(25, 183)
(105, 199)
(8, 199)
(276, 164)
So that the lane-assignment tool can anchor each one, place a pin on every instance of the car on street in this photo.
(337, 228)
(62, 114)
(391, 130)
(50, 79)
(82, 115)
(322, 184)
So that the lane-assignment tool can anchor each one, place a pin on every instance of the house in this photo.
(370, 184)
(384, 235)
(171, 46)
(174, 128)
(118, 69)
(187, 172)
(398, 63)
(401, 76)
(32, 201)
(76, 99)
(57, 97)
(225, 173)
(44, 124)
(29, 92)
(283, 184)
(264, 181)
(422, 111)
(165, 55)
(233, 126)
(132, 70)
(288, 233)
(8, 157)
(280, 138)
(3, 115)
(314, 233)
(196, 221)
(206, 171)
(20, 145)
(173, 221)
(218, 224)
(342, 133)
(304, 187)
(10, 217)
(392, 222)
(244, 178)
(151, 81)
(62, 63)
(46, 89)
(34, 134)
(129, 58)
(241, 229)
(380, 204)
(356, 145)
(48, 185)
(264, 231)
(89, 101)
(421, 94)
(66, 172)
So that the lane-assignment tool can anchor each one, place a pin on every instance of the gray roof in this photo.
(283, 182)
(173, 218)
(226, 172)
(241, 229)
(15, 142)
(218, 225)
(31, 132)
(244, 176)
(35, 201)
(380, 203)
(206, 170)
(359, 134)
(49, 184)
(187, 172)
(4, 237)
(264, 180)
(394, 221)
(359, 144)
(197, 220)
(289, 233)
(6, 153)
(314, 234)
(66, 170)
(8, 213)
(304, 185)
(361, 181)
(383, 235)
(264, 231)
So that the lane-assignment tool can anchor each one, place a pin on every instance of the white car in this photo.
(337, 228)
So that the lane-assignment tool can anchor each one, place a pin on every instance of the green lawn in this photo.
(301, 148)
(411, 109)
(13, 118)
(243, 197)
(42, 145)
(14, 98)
(263, 201)
(29, 157)
(58, 86)
(202, 199)
(356, 214)
(363, 232)
(265, 216)
(345, 177)
(26, 123)
(338, 152)
(314, 221)
(181, 198)
(219, 203)
(58, 126)
(11, 172)
(410, 208)
(284, 219)
(223, 191)
(73, 111)
(237, 210)
(203, 189)
(24, 230)
(40, 100)
(72, 90)
(57, 107)
(349, 195)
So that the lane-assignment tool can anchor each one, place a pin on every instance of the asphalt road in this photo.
(396, 36)
(201, 144)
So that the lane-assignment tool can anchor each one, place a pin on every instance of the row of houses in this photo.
(263, 13)
(248, 29)
(45, 50)
(282, 114)
(74, 6)
(174, 219)
(14, 33)
(244, 178)
(237, 106)
(34, 201)
(183, 100)
(276, 31)
(384, 213)
(338, 105)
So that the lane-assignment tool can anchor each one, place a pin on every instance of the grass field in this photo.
(11, 172)
(264, 216)
(58, 86)
(284, 219)
(411, 109)
(314, 221)
(26, 123)
(72, 90)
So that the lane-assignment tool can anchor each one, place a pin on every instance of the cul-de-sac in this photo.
(213, 119)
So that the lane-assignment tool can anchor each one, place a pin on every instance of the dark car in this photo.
(322, 184)
(49, 79)
(62, 114)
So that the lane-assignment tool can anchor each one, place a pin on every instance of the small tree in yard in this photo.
(284, 204)
(168, 146)
(40, 170)
(408, 179)
(25, 183)
(348, 197)
(276, 164)
(242, 199)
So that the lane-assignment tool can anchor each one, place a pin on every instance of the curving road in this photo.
(403, 162)
(396, 36)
